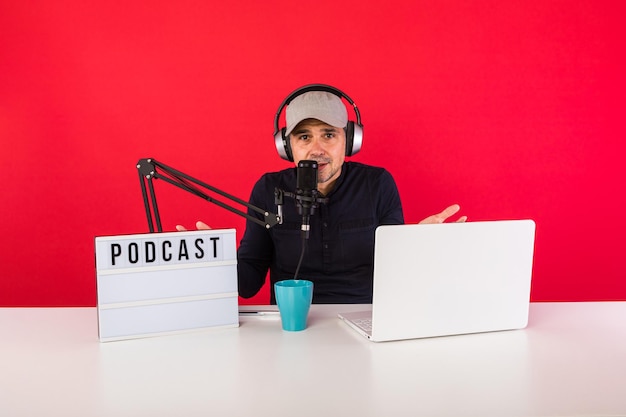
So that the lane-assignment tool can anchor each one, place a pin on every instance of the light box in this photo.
(163, 283)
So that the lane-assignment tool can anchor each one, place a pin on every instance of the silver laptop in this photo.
(448, 279)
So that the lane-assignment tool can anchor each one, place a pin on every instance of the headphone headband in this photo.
(314, 87)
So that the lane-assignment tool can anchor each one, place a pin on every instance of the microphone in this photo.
(306, 192)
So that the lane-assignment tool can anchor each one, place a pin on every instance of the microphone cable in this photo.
(304, 240)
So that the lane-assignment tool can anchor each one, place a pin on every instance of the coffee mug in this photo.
(293, 297)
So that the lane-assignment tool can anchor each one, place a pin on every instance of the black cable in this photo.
(304, 240)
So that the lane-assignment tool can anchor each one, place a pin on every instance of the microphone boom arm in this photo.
(149, 169)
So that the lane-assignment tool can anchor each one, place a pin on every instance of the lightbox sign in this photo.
(161, 283)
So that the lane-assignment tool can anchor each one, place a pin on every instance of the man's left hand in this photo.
(444, 215)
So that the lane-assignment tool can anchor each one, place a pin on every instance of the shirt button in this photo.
(325, 224)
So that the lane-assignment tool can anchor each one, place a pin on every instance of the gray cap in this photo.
(319, 105)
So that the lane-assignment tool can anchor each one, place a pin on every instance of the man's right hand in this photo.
(199, 225)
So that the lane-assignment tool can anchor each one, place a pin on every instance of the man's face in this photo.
(325, 144)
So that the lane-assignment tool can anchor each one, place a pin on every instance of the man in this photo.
(340, 247)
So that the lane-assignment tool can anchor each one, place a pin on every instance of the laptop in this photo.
(448, 279)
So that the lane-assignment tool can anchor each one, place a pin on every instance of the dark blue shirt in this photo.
(339, 256)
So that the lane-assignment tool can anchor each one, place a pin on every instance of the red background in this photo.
(511, 109)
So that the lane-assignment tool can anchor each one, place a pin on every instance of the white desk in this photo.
(570, 361)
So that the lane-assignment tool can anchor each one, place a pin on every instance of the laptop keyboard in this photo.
(365, 324)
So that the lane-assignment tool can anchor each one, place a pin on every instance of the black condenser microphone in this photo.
(306, 192)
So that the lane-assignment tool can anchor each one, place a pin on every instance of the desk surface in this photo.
(570, 361)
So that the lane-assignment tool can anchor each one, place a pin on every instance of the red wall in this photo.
(511, 109)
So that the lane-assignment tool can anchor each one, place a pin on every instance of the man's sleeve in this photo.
(390, 206)
(254, 255)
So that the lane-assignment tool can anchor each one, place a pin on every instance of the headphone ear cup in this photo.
(283, 146)
(349, 137)
(357, 138)
(354, 138)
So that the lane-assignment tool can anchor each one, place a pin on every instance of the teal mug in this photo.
(293, 297)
